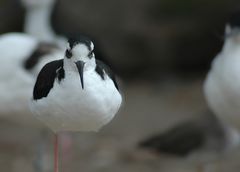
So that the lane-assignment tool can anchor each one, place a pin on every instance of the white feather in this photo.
(222, 87)
(16, 82)
(69, 107)
(37, 21)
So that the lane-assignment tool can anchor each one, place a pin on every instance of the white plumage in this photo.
(72, 106)
(38, 21)
(17, 82)
(222, 85)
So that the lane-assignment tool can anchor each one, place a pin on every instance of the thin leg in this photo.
(65, 142)
(39, 164)
(56, 153)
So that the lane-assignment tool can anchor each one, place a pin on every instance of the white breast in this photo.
(69, 107)
(222, 87)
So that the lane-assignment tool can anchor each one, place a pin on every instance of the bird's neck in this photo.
(37, 23)
(231, 45)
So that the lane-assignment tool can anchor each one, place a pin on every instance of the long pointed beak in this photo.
(80, 66)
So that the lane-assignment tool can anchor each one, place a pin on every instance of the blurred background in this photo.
(160, 49)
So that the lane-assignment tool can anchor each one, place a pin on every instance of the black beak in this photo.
(80, 66)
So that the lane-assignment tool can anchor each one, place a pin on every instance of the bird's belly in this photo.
(15, 94)
(223, 96)
(16, 84)
(69, 107)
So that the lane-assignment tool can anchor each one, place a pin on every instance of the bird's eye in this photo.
(68, 54)
(90, 55)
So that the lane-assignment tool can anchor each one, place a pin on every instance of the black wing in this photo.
(101, 67)
(46, 78)
(179, 141)
(41, 50)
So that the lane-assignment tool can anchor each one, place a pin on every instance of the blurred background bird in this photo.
(37, 21)
(161, 49)
(221, 85)
(214, 135)
(20, 67)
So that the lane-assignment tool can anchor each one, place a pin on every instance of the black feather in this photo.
(46, 78)
(101, 68)
(41, 50)
(179, 141)
(79, 39)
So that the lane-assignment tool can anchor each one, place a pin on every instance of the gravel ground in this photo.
(148, 109)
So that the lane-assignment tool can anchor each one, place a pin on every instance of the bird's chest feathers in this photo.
(90, 78)
(226, 73)
(96, 90)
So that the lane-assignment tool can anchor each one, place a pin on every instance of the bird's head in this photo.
(80, 53)
(232, 29)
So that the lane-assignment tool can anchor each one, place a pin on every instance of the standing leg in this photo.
(39, 161)
(65, 140)
(56, 165)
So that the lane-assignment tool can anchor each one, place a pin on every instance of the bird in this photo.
(37, 22)
(218, 134)
(221, 86)
(19, 68)
(22, 58)
(76, 93)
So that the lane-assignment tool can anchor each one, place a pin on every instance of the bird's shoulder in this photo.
(46, 78)
(102, 68)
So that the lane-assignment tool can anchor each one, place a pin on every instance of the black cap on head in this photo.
(79, 39)
(234, 20)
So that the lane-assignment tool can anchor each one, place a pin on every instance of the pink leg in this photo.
(66, 142)
(56, 153)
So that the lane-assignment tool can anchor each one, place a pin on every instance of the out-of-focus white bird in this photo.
(222, 84)
(216, 135)
(22, 58)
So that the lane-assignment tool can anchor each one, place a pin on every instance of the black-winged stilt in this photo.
(76, 93)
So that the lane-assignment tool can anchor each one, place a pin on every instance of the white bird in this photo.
(222, 84)
(38, 21)
(76, 93)
(22, 57)
(216, 135)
